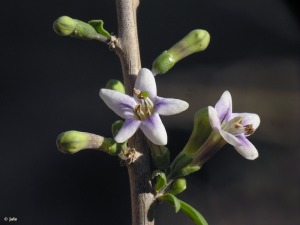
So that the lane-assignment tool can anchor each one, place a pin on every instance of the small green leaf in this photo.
(98, 25)
(161, 179)
(192, 213)
(171, 199)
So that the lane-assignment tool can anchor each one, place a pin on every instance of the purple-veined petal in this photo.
(214, 118)
(169, 106)
(248, 118)
(128, 129)
(145, 82)
(123, 105)
(229, 138)
(224, 107)
(154, 130)
(247, 149)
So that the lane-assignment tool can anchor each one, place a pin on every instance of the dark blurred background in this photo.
(50, 84)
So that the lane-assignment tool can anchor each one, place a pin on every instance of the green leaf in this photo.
(98, 25)
(161, 179)
(171, 199)
(192, 213)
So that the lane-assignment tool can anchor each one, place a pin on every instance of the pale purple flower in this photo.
(143, 109)
(234, 127)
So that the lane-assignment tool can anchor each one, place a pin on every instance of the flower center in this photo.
(235, 127)
(146, 107)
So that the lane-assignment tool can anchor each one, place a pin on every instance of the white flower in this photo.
(234, 127)
(143, 109)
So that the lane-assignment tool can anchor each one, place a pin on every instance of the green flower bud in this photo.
(178, 186)
(74, 141)
(64, 25)
(115, 85)
(195, 41)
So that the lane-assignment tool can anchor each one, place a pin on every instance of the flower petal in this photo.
(214, 118)
(145, 82)
(248, 118)
(128, 129)
(224, 107)
(123, 105)
(154, 130)
(247, 149)
(169, 106)
(229, 138)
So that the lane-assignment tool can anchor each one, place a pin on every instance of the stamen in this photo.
(248, 129)
(234, 126)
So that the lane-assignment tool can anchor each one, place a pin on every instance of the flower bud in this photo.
(66, 26)
(178, 186)
(195, 41)
(115, 85)
(74, 141)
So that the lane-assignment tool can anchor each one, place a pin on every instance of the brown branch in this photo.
(127, 48)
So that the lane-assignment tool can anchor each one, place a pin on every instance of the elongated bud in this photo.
(195, 41)
(178, 186)
(74, 141)
(115, 85)
(66, 26)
